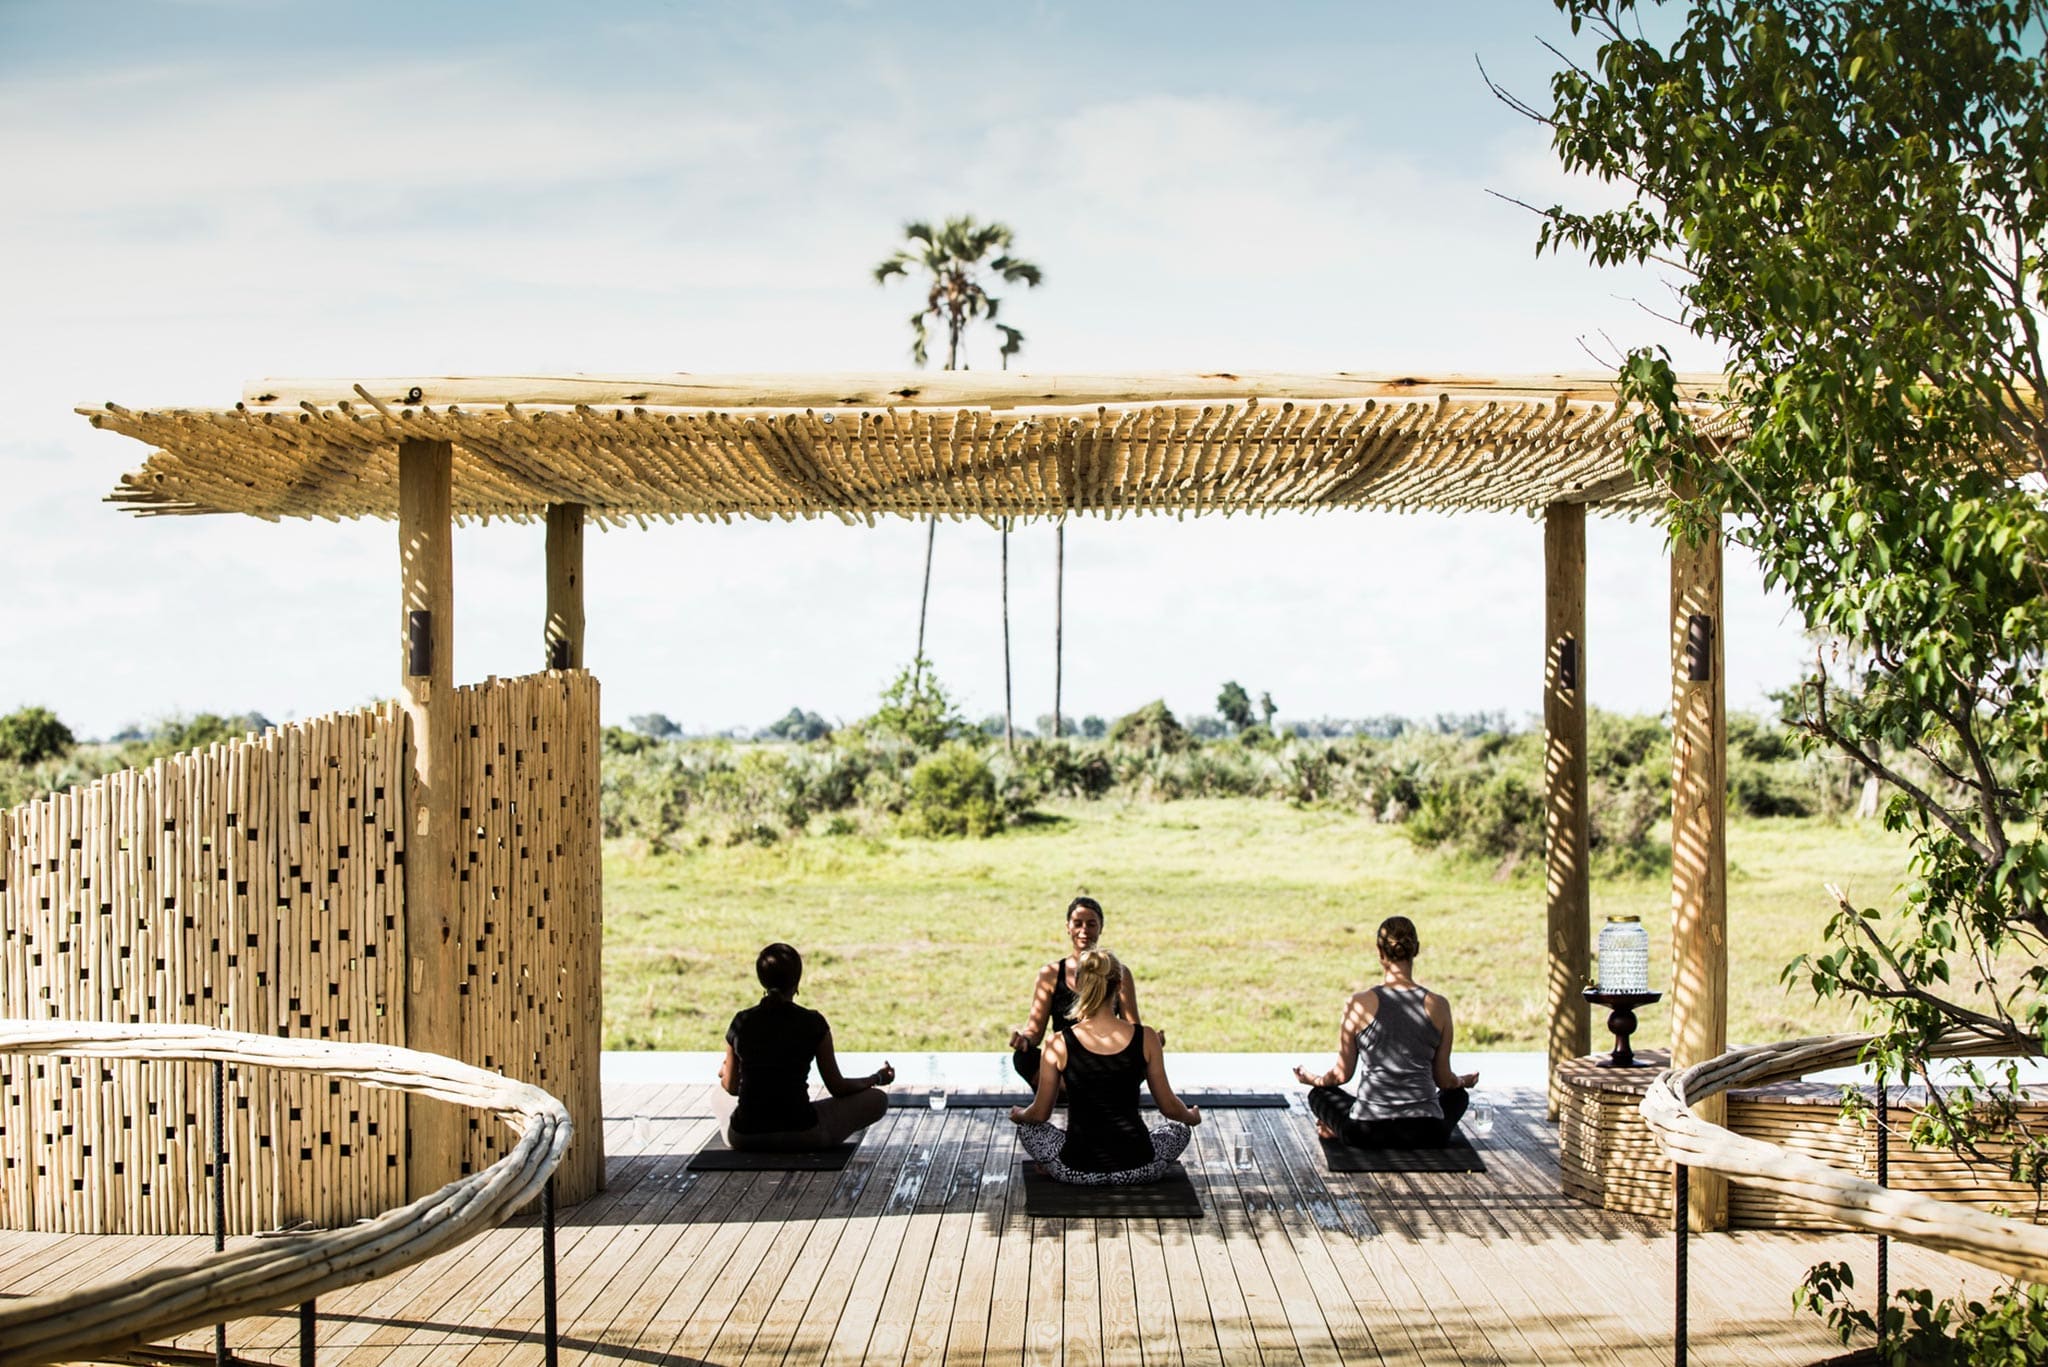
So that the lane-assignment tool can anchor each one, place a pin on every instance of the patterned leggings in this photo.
(1044, 1142)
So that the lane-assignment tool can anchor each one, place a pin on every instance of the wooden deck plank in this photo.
(1263, 1190)
(1296, 1197)
(921, 1250)
(917, 1311)
(899, 1283)
(1045, 1301)
(980, 1231)
(1116, 1276)
(859, 1202)
(1010, 1286)
(591, 1244)
(786, 1304)
(1081, 1293)
(1227, 1311)
(1198, 1340)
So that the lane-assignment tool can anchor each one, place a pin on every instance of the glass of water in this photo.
(1241, 1154)
(937, 1096)
(1479, 1119)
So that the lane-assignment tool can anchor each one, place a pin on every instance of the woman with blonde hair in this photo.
(1052, 1000)
(1101, 1058)
(1401, 1031)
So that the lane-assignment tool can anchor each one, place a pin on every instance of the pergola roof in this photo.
(953, 444)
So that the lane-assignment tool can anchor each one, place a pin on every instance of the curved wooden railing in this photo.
(279, 1271)
(2013, 1247)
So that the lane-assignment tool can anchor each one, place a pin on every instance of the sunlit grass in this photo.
(1246, 922)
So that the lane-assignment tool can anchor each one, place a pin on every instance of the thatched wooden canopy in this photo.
(858, 446)
(429, 451)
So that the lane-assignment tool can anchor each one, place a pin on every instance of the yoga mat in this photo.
(1456, 1156)
(915, 1098)
(1172, 1199)
(716, 1157)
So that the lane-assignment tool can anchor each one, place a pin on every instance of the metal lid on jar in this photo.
(1614, 920)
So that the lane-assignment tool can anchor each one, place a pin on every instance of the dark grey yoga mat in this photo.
(917, 1098)
(1456, 1156)
(716, 1157)
(1173, 1198)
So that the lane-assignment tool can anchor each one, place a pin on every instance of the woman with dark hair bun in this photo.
(1052, 1000)
(763, 1102)
(1408, 1098)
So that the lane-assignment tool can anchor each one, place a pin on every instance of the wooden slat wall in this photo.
(257, 885)
(1608, 1156)
(528, 902)
(250, 886)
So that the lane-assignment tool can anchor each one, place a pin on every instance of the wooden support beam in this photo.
(1565, 822)
(564, 636)
(1699, 859)
(437, 1133)
(975, 388)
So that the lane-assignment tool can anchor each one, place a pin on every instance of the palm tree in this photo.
(953, 257)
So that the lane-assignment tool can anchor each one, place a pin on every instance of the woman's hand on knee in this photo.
(1017, 1115)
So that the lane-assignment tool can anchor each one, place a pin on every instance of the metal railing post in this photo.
(547, 1253)
(220, 1191)
(1681, 1184)
(1884, 1154)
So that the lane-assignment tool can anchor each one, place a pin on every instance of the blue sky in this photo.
(203, 193)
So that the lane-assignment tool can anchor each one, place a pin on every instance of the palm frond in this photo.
(1014, 269)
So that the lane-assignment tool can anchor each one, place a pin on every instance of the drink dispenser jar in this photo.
(1624, 955)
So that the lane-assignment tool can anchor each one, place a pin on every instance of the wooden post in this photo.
(1565, 828)
(564, 636)
(436, 1132)
(1699, 862)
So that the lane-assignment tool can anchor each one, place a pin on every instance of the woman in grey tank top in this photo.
(1399, 1033)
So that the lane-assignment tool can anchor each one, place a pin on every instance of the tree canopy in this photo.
(1851, 198)
(954, 255)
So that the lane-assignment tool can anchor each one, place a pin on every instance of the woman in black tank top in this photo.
(1052, 1000)
(1101, 1059)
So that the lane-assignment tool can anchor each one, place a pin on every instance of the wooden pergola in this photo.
(429, 451)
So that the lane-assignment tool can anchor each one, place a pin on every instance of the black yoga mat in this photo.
(1456, 1156)
(916, 1098)
(716, 1157)
(1173, 1198)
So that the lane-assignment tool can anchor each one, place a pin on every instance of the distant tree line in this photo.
(1470, 784)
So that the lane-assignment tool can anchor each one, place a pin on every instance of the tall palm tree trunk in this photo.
(931, 533)
(1009, 729)
(924, 602)
(1059, 598)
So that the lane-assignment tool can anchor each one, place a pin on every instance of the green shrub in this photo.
(33, 735)
(915, 709)
(1152, 727)
(953, 792)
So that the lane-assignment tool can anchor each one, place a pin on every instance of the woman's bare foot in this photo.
(1324, 1131)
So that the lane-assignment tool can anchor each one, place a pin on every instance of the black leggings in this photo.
(1332, 1106)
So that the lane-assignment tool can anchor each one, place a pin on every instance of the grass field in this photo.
(1246, 923)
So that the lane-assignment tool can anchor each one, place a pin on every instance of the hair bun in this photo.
(1397, 938)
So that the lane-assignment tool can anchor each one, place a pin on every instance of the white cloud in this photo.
(176, 228)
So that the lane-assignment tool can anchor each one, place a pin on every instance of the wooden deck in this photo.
(920, 1251)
